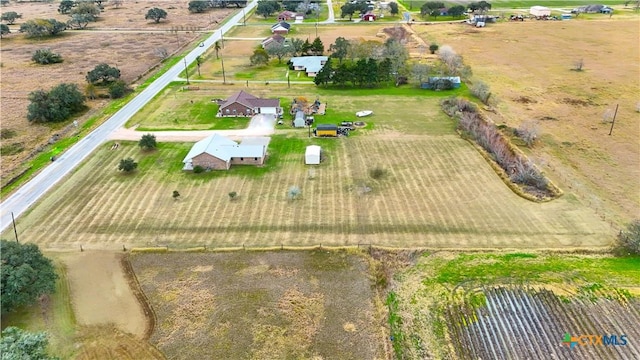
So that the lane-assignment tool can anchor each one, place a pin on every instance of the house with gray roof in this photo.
(309, 64)
(244, 104)
(217, 152)
(281, 28)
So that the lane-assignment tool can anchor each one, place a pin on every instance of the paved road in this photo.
(30, 192)
(331, 19)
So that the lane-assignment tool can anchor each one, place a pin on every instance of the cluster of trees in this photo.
(199, 6)
(629, 239)
(19, 344)
(361, 6)
(363, 72)
(42, 27)
(435, 8)
(82, 12)
(106, 76)
(306, 7)
(291, 47)
(55, 105)
(26, 275)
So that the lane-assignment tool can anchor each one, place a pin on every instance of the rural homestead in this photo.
(322, 179)
(217, 152)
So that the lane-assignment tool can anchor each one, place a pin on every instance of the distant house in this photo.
(369, 16)
(309, 64)
(442, 83)
(287, 15)
(540, 11)
(273, 39)
(281, 28)
(217, 152)
(245, 104)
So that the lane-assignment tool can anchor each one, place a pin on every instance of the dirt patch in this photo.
(261, 305)
(100, 292)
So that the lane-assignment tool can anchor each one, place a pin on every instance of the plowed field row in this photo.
(437, 192)
(522, 324)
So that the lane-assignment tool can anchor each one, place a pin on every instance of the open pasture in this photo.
(262, 305)
(437, 192)
(537, 83)
(122, 38)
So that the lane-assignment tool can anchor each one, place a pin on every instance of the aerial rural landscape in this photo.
(318, 179)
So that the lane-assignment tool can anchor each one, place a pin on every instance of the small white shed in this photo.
(540, 11)
(312, 155)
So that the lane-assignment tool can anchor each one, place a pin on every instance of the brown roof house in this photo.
(244, 104)
(272, 40)
(287, 15)
(217, 152)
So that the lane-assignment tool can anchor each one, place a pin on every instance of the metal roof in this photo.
(310, 63)
(224, 148)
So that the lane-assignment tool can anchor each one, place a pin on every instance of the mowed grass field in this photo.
(262, 305)
(437, 192)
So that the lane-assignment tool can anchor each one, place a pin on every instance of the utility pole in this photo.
(15, 231)
(186, 70)
(614, 119)
(224, 78)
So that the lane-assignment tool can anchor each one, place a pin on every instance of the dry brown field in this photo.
(262, 305)
(439, 192)
(121, 37)
(528, 66)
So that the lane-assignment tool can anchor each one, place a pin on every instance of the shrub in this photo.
(294, 193)
(233, 195)
(629, 239)
(481, 91)
(46, 56)
(147, 142)
(377, 173)
(198, 169)
(127, 165)
(118, 89)
(528, 132)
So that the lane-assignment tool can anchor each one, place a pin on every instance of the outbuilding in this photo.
(312, 155)
(327, 130)
(540, 11)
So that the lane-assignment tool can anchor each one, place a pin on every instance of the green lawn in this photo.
(513, 4)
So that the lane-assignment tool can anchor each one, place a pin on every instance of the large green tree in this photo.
(17, 344)
(127, 165)
(103, 73)
(90, 10)
(259, 57)
(26, 275)
(66, 6)
(156, 14)
(317, 48)
(148, 142)
(198, 6)
(42, 27)
(4, 29)
(348, 9)
(340, 48)
(55, 105)
(278, 50)
(266, 8)
(457, 11)
(10, 17)
(393, 6)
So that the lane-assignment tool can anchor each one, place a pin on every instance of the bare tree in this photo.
(450, 59)
(116, 3)
(578, 65)
(161, 52)
(528, 132)
(481, 91)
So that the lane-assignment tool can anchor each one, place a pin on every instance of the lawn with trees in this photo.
(26, 275)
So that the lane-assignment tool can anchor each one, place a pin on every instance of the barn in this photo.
(327, 130)
(540, 11)
(312, 155)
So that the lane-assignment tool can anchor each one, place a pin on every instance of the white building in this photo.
(312, 155)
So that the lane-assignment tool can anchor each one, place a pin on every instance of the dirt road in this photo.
(100, 292)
